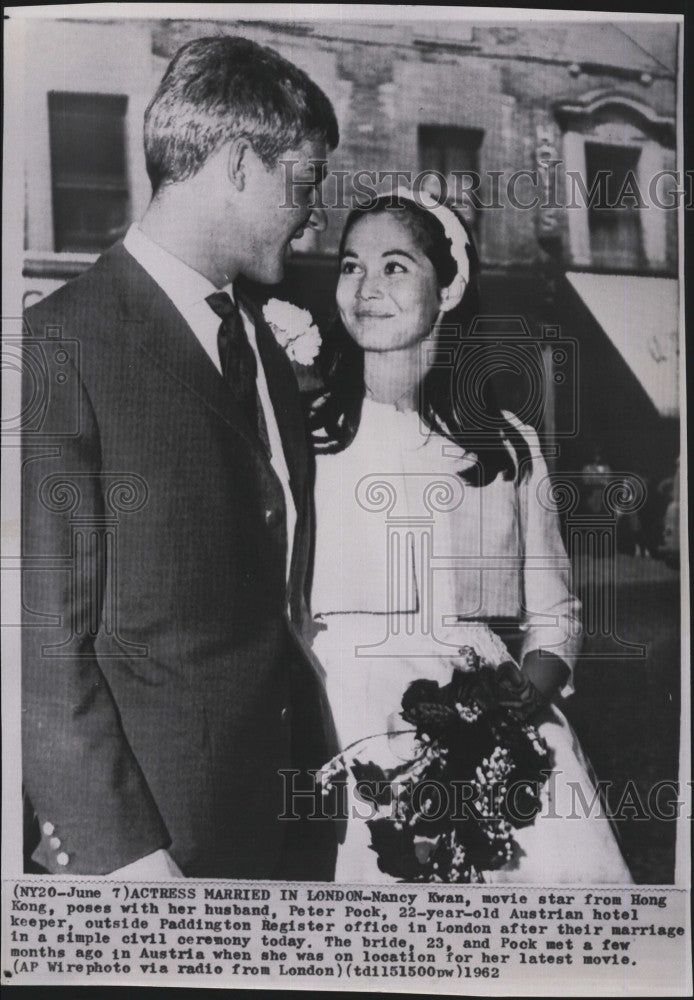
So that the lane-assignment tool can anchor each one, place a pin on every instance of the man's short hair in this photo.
(225, 87)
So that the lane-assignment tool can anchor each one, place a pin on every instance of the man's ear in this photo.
(239, 154)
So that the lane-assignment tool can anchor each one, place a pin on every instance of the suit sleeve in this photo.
(552, 613)
(93, 804)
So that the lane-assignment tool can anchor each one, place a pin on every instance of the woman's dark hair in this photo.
(482, 429)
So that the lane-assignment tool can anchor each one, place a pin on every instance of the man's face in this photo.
(280, 204)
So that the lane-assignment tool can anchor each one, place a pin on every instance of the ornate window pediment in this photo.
(614, 147)
(599, 107)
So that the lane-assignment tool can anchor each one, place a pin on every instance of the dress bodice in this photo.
(398, 530)
(394, 500)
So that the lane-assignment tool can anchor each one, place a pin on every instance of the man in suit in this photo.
(167, 511)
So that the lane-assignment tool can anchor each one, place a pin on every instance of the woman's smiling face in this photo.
(388, 293)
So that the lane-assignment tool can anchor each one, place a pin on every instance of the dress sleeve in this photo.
(551, 612)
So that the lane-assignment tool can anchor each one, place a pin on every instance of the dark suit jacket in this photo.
(164, 683)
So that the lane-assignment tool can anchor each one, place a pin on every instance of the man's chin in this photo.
(270, 275)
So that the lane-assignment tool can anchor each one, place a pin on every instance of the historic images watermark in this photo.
(458, 800)
(553, 186)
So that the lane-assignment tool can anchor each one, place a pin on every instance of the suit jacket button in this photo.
(62, 859)
(284, 714)
(48, 828)
(270, 517)
(55, 843)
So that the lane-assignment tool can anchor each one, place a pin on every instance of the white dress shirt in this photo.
(188, 290)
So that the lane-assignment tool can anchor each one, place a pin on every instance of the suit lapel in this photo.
(157, 329)
(286, 403)
(160, 332)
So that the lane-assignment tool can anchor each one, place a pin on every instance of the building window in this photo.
(613, 134)
(614, 218)
(454, 153)
(88, 169)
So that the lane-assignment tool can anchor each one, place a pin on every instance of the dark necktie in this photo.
(239, 365)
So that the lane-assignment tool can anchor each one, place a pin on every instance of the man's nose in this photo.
(317, 220)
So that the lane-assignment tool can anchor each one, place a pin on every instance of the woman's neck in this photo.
(394, 376)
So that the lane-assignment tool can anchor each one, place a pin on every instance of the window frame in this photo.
(64, 182)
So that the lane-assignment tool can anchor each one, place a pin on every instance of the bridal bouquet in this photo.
(475, 772)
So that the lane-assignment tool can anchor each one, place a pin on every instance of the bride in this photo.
(432, 523)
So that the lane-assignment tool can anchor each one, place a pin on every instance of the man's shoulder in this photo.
(93, 291)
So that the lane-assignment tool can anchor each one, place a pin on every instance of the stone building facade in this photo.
(520, 120)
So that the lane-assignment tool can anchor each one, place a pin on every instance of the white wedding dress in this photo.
(404, 548)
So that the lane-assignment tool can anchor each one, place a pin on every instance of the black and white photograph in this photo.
(344, 486)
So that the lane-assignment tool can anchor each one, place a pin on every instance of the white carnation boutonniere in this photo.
(294, 329)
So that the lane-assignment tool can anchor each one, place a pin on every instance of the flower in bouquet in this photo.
(447, 813)
(294, 329)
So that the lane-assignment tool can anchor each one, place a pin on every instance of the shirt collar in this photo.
(185, 286)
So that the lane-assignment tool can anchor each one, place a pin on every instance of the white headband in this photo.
(454, 230)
